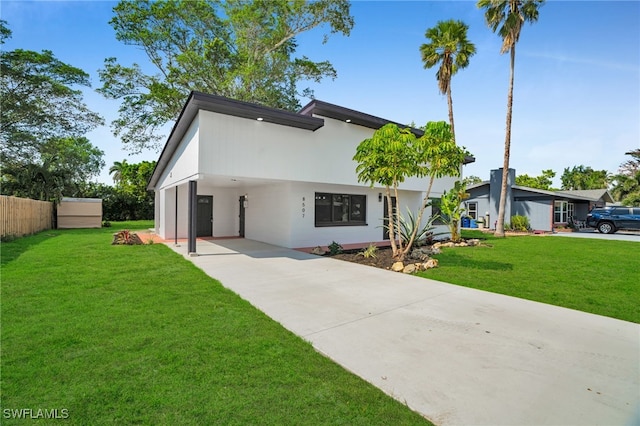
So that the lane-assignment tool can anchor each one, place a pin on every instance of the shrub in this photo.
(405, 227)
(369, 252)
(519, 223)
(335, 248)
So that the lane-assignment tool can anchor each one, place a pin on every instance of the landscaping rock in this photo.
(421, 253)
(430, 264)
(409, 269)
(318, 251)
(397, 266)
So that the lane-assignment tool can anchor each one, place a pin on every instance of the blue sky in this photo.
(577, 79)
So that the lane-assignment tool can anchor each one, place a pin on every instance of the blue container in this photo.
(473, 223)
(466, 222)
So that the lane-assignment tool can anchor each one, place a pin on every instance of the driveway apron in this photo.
(456, 355)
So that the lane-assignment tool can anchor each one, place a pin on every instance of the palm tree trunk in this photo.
(450, 102)
(507, 150)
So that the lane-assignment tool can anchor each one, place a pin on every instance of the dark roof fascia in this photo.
(253, 111)
(338, 112)
(202, 101)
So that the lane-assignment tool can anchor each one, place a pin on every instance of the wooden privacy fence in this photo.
(22, 216)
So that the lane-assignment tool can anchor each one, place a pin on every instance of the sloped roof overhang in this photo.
(304, 119)
(219, 104)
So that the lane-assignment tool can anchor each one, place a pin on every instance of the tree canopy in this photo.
(43, 120)
(627, 182)
(581, 177)
(448, 46)
(544, 181)
(242, 50)
(39, 101)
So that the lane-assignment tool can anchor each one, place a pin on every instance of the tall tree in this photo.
(450, 48)
(507, 18)
(118, 170)
(39, 101)
(631, 167)
(42, 122)
(544, 181)
(581, 177)
(61, 168)
(238, 49)
(627, 182)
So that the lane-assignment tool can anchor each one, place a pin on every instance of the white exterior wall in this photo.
(268, 214)
(225, 209)
(233, 146)
(183, 166)
(166, 225)
(279, 168)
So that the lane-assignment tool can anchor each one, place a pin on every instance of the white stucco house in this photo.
(237, 169)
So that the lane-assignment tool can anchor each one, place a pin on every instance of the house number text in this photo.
(303, 206)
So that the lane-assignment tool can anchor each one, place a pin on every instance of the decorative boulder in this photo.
(409, 269)
(430, 264)
(397, 267)
(421, 253)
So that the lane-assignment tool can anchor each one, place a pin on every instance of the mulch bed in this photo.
(383, 258)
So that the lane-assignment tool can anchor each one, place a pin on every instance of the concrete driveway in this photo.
(458, 356)
(592, 233)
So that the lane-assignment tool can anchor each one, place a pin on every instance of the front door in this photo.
(205, 216)
(385, 222)
(241, 215)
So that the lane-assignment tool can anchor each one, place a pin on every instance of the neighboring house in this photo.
(545, 209)
(236, 169)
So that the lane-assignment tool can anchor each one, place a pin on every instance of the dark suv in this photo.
(609, 219)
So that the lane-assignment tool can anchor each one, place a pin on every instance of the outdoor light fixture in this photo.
(259, 118)
(379, 197)
(348, 120)
(245, 202)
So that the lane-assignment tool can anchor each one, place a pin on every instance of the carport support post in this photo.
(193, 216)
(175, 222)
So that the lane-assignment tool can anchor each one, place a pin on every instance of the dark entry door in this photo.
(205, 216)
(241, 215)
(385, 230)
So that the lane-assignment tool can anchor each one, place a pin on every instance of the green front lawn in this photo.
(591, 275)
(138, 335)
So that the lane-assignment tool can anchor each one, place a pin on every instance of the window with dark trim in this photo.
(472, 210)
(340, 209)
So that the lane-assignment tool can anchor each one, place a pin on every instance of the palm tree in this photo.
(118, 170)
(450, 48)
(507, 17)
